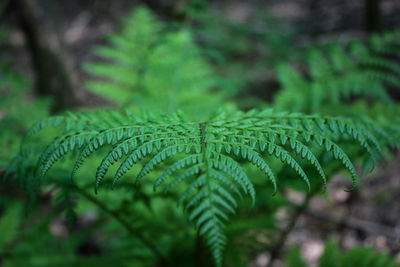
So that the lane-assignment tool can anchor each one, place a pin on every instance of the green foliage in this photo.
(147, 66)
(293, 258)
(209, 164)
(206, 155)
(15, 103)
(336, 73)
(145, 212)
(243, 50)
(353, 81)
(66, 199)
(332, 257)
(10, 220)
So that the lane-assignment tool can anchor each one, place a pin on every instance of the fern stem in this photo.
(298, 211)
(125, 224)
(199, 253)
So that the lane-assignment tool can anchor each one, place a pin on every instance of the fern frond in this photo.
(207, 155)
(336, 73)
(142, 58)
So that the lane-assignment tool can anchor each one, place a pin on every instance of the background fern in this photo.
(349, 80)
(15, 88)
(149, 66)
(339, 72)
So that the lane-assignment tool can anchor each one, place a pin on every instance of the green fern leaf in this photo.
(207, 156)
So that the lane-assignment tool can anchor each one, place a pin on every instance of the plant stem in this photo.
(199, 251)
(298, 211)
(125, 224)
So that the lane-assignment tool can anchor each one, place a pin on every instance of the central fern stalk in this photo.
(215, 231)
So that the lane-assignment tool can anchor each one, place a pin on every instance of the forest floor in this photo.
(369, 216)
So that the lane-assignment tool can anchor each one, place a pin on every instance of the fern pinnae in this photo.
(142, 150)
(285, 157)
(43, 124)
(180, 164)
(373, 132)
(195, 199)
(92, 146)
(197, 183)
(364, 137)
(102, 138)
(374, 151)
(382, 63)
(254, 158)
(222, 178)
(223, 192)
(232, 168)
(162, 155)
(342, 156)
(238, 176)
(60, 147)
(215, 198)
(206, 216)
(306, 153)
(361, 135)
(341, 126)
(112, 157)
(335, 125)
(128, 146)
(189, 172)
(49, 149)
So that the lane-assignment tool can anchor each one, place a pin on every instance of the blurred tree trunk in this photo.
(373, 16)
(54, 75)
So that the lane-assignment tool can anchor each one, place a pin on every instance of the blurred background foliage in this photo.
(327, 57)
